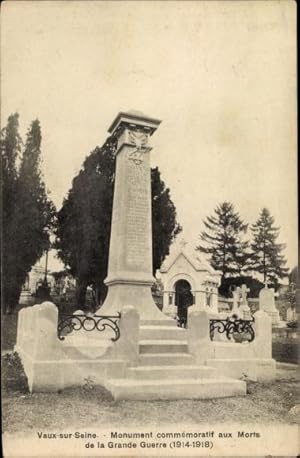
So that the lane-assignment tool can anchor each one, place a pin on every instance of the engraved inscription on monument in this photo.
(137, 221)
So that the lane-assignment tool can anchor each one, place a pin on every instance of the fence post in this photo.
(200, 344)
(263, 335)
(127, 347)
(39, 347)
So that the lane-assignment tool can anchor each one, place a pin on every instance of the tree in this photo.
(230, 283)
(266, 257)
(10, 144)
(32, 217)
(84, 221)
(223, 241)
(293, 276)
(164, 225)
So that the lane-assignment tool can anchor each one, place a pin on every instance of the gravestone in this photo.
(267, 304)
(291, 314)
(244, 307)
(236, 294)
(130, 276)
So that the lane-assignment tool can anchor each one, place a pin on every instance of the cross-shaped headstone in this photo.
(244, 291)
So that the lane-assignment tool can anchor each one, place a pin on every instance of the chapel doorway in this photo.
(183, 299)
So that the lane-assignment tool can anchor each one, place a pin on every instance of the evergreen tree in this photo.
(164, 225)
(266, 257)
(294, 276)
(223, 241)
(84, 221)
(32, 216)
(10, 144)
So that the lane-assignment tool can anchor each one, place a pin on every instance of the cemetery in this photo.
(149, 283)
(187, 350)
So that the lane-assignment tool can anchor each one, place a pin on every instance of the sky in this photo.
(221, 75)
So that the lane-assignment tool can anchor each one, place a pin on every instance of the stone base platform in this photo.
(164, 367)
(151, 359)
(166, 370)
(157, 389)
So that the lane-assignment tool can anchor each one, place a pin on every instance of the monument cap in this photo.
(135, 118)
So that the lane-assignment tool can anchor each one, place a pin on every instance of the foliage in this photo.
(164, 224)
(266, 257)
(229, 283)
(289, 295)
(223, 240)
(28, 211)
(84, 221)
(10, 144)
(293, 276)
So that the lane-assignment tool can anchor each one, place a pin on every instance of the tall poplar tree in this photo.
(10, 144)
(32, 218)
(266, 256)
(223, 241)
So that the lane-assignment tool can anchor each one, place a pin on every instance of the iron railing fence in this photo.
(71, 322)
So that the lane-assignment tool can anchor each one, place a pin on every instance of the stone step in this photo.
(165, 359)
(170, 372)
(162, 332)
(206, 388)
(165, 322)
(163, 346)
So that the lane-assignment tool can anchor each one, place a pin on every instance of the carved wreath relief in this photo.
(140, 140)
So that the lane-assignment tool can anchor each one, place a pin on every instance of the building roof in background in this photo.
(198, 262)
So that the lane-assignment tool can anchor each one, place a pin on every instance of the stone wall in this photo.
(250, 360)
(51, 364)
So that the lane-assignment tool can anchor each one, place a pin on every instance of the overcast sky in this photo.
(220, 75)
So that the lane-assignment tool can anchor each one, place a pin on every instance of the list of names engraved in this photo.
(138, 216)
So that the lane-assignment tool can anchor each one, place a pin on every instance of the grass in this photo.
(285, 351)
(8, 331)
(93, 405)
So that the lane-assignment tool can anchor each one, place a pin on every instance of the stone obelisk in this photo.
(129, 277)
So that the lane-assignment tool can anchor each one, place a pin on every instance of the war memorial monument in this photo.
(129, 346)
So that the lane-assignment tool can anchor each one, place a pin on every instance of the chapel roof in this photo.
(198, 262)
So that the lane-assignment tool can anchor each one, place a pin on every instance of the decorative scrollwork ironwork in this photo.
(231, 326)
(88, 323)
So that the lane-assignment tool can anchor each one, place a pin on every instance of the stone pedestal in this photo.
(130, 276)
(267, 304)
(198, 335)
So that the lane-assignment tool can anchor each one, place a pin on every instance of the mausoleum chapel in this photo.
(188, 279)
(130, 346)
